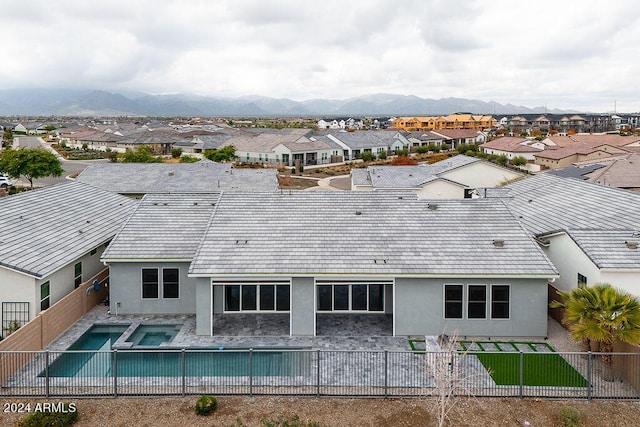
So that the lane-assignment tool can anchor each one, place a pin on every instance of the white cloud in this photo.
(563, 53)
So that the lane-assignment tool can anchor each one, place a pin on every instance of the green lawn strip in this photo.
(539, 369)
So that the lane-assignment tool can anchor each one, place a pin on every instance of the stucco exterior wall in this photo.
(419, 309)
(203, 296)
(481, 174)
(303, 318)
(570, 260)
(16, 287)
(628, 281)
(441, 190)
(126, 288)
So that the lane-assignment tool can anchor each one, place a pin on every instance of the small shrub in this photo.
(423, 149)
(301, 168)
(85, 146)
(570, 417)
(206, 405)
(382, 155)
(366, 156)
(294, 421)
(51, 419)
(293, 170)
(176, 153)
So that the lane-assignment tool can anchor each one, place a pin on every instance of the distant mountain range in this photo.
(52, 102)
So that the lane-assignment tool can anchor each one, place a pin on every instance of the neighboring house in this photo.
(204, 176)
(615, 171)
(457, 137)
(513, 147)
(288, 147)
(419, 139)
(353, 144)
(52, 239)
(452, 121)
(453, 178)
(270, 254)
(590, 232)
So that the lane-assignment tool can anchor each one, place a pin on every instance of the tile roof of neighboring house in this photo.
(457, 133)
(48, 228)
(623, 172)
(365, 139)
(547, 203)
(415, 176)
(200, 177)
(360, 176)
(380, 233)
(596, 139)
(609, 248)
(266, 140)
(576, 172)
(164, 226)
(568, 151)
(512, 145)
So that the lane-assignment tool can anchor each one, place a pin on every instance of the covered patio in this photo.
(327, 324)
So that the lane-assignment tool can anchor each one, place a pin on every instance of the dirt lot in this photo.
(258, 411)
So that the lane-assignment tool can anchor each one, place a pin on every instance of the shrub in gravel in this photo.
(51, 419)
(570, 417)
(206, 405)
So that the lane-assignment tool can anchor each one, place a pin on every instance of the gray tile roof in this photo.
(546, 203)
(365, 139)
(43, 230)
(608, 248)
(200, 177)
(164, 226)
(415, 176)
(599, 219)
(364, 233)
(360, 176)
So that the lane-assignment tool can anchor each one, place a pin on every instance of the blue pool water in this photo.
(93, 359)
(153, 335)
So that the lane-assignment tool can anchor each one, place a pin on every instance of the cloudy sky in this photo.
(573, 54)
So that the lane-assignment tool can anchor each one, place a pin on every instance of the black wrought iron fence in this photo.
(319, 373)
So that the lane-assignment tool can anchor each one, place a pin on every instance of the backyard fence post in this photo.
(589, 374)
(637, 356)
(318, 373)
(46, 373)
(521, 374)
(386, 373)
(183, 374)
(115, 372)
(250, 372)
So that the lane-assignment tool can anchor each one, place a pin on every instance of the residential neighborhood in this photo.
(396, 237)
(303, 214)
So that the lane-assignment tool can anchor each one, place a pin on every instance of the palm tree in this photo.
(601, 313)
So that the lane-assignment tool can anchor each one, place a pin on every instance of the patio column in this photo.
(303, 310)
(204, 306)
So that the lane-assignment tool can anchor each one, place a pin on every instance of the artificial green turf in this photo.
(539, 369)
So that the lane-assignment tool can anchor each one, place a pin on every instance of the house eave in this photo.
(378, 275)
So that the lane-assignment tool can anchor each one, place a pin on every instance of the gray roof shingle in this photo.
(364, 233)
(200, 177)
(48, 228)
(164, 226)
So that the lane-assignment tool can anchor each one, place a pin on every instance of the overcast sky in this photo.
(571, 54)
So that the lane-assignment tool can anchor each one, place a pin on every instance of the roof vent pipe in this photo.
(498, 243)
(631, 244)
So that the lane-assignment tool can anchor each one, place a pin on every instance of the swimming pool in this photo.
(91, 356)
(153, 335)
